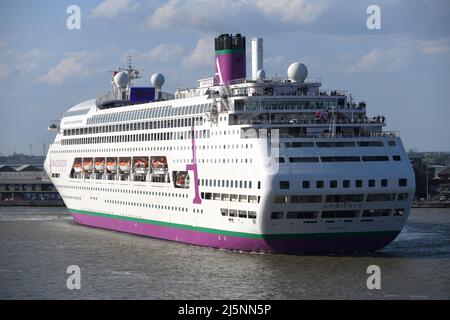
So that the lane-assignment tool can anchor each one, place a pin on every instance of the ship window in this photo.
(402, 182)
(375, 158)
(242, 214)
(381, 197)
(391, 143)
(399, 212)
(252, 214)
(208, 195)
(276, 215)
(335, 144)
(233, 213)
(319, 184)
(346, 183)
(396, 158)
(370, 143)
(281, 199)
(384, 182)
(333, 184)
(402, 196)
(341, 159)
(305, 184)
(303, 159)
(284, 184)
(340, 214)
(299, 144)
(376, 213)
(302, 215)
(304, 199)
(345, 198)
(371, 183)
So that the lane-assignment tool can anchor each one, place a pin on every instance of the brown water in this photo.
(38, 244)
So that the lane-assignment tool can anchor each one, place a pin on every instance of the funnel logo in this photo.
(219, 71)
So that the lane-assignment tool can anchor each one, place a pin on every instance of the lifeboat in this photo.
(124, 166)
(99, 165)
(77, 167)
(87, 165)
(111, 166)
(140, 166)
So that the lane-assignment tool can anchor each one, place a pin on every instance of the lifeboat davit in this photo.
(87, 165)
(124, 166)
(99, 165)
(111, 166)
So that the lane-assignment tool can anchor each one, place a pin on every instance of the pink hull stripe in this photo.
(260, 243)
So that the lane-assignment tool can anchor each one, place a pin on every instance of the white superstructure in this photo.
(265, 164)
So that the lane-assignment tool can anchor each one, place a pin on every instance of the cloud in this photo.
(114, 8)
(440, 46)
(202, 55)
(293, 11)
(5, 72)
(163, 52)
(225, 15)
(379, 60)
(68, 68)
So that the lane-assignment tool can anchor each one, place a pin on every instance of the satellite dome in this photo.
(121, 79)
(260, 74)
(297, 72)
(157, 80)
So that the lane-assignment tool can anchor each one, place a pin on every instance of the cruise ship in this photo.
(260, 164)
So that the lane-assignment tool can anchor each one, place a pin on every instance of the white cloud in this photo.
(163, 52)
(379, 60)
(215, 16)
(114, 8)
(74, 65)
(202, 55)
(5, 72)
(440, 46)
(293, 11)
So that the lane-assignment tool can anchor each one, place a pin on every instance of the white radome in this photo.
(121, 79)
(297, 72)
(260, 74)
(157, 80)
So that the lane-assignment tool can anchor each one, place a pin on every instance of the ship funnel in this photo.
(257, 57)
(230, 58)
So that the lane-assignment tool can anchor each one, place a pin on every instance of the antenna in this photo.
(31, 149)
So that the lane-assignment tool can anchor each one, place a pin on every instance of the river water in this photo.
(37, 244)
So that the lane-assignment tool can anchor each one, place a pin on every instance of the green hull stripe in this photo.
(240, 234)
(229, 51)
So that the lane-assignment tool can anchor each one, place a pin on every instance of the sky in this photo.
(402, 70)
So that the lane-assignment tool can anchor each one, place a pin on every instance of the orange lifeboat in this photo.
(87, 165)
(111, 166)
(99, 165)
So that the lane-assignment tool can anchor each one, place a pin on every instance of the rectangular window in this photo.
(346, 183)
(344, 198)
(341, 159)
(372, 183)
(396, 158)
(299, 144)
(402, 182)
(391, 143)
(340, 214)
(399, 212)
(376, 213)
(375, 158)
(277, 215)
(233, 213)
(224, 212)
(381, 197)
(284, 184)
(302, 215)
(402, 196)
(303, 159)
(251, 214)
(370, 143)
(305, 199)
(319, 184)
(305, 184)
(281, 199)
(384, 182)
(333, 184)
